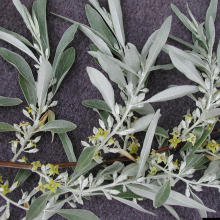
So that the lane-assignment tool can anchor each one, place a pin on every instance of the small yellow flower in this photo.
(97, 155)
(41, 187)
(31, 144)
(111, 141)
(188, 118)
(134, 147)
(53, 169)
(175, 132)
(213, 146)
(174, 141)
(52, 186)
(5, 188)
(161, 158)
(24, 123)
(101, 134)
(36, 165)
(24, 159)
(176, 164)
(29, 109)
(1, 178)
(192, 139)
(153, 152)
(14, 143)
(153, 171)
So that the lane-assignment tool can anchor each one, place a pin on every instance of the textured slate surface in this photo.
(141, 18)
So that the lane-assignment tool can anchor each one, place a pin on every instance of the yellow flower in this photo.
(14, 143)
(24, 123)
(41, 187)
(1, 178)
(134, 147)
(175, 132)
(97, 155)
(213, 146)
(29, 109)
(52, 186)
(192, 139)
(31, 144)
(153, 152)
(111, 141)
(24, 159)
(176, 164)
(174, 141)
(188, 118)
(101, 134)
(153, 171)
(36, 165)
(53, 169)
(161, 158)
(5, 188)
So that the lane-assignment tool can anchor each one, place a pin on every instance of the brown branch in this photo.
(61, 165)
(70, 164)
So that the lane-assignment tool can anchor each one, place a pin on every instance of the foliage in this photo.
(152, 174)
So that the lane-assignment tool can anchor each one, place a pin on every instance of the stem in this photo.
(117, 127)
(12, 202)
(185, 180)
(28, 136)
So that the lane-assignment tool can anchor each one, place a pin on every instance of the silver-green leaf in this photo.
(58, 126)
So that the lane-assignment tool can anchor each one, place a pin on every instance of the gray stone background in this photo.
(141, 18)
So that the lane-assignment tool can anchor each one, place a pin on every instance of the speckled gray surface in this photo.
(141, 18)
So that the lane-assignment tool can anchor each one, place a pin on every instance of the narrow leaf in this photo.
(161, 132)
(173, 93)
(64, 64)
(85, 158)
(211, 12)
(97, 23)
(114, 71)
(20, 63)
(147, 143)
(29, 90)
(17, 43)
(39, 9)
(158, 44)
(58, 126)
(66, 39)
(37, 206)
(6, 127)
(103, 85)
(133, 205)
(77, 214)
(189, 25)
(117, 20)
(162, 195)
(45, 74)
(97, 104)
(201, 140)
(5, 101)
(19, 37)
(96, 40)
(68, 147)
(187, 68)
(22, 176)
(172, 211)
